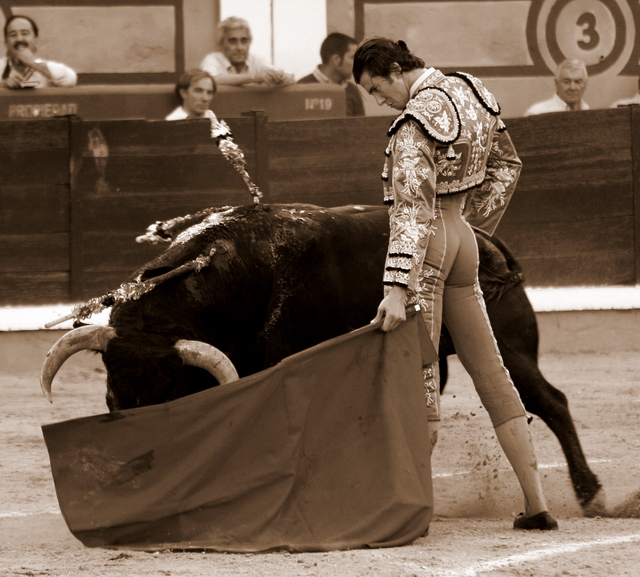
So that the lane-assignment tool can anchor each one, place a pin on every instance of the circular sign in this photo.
(595, 31)
(591, 29)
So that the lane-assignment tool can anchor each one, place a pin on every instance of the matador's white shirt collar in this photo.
(414, 87)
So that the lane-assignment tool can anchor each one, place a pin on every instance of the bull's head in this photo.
(97, 339)
(279, 279)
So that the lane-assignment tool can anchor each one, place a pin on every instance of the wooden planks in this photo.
(74, 194)
(34, 197)
(130, 174)
(34, 288)
(635, 165)
(570, 221)
(329, 163)
(35, 208)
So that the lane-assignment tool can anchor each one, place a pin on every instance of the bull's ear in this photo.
(209, 358)
(86, 338)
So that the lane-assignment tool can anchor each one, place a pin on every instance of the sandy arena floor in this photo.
(476, 491)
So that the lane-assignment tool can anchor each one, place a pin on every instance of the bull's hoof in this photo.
(597, 507)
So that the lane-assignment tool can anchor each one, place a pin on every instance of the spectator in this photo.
(233, 65)
(21, 68)
(195, 89)
(571, 82)
(336, 53)
(628, 101)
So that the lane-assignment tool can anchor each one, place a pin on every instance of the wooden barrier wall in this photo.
(34, 212)
(74, 194)
(574, 219)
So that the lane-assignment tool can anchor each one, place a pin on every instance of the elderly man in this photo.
(336, 53)
(233, 65)
(571, 82)
(21, 68)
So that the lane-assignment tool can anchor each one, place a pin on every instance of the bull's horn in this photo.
(91, 337)
(207, 357)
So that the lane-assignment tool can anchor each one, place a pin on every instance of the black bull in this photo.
(283, 278)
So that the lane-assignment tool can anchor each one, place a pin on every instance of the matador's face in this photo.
(391, 90)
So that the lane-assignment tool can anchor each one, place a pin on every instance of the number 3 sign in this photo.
(599, 32)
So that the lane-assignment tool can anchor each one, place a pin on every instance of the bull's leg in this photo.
(444, 350)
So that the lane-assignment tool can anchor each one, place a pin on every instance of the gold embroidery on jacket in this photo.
(446, 141)
(408, 227)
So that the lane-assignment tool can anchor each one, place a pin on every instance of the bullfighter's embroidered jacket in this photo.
(448, 139)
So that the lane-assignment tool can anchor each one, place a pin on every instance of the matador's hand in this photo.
(391, 310)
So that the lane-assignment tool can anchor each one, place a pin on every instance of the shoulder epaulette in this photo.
(435, 113)
(487, 99)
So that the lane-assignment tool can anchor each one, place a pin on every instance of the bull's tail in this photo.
(512, 263)
(500, 270)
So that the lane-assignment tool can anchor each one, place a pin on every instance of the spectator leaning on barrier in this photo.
(195, 89)
(336, 53)
(21, 68)
(628, 101)
(571, 81)
(234, 65)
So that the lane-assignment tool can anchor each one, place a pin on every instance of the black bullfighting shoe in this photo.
(542, 521)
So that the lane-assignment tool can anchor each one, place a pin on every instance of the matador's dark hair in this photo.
(378, 54)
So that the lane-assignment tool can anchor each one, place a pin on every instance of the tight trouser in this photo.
(450, 290)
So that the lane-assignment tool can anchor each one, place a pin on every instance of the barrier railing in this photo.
(75, 193)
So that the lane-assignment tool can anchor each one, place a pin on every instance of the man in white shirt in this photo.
(628, 101)
(234, 66)
(571, 81)
(21, 68)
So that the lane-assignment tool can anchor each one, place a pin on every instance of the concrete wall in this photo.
(200, 19)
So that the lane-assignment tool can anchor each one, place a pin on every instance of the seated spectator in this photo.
(195, 89)
(336, 53)
(21, 68)
(234, 66)
(571, 82)
(628, 101)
